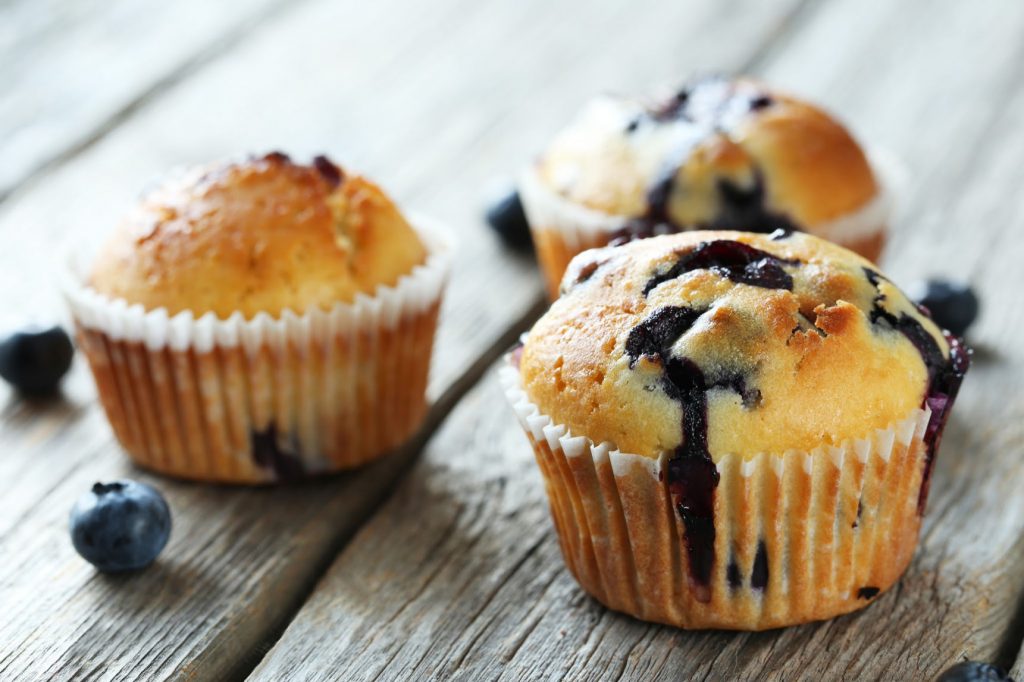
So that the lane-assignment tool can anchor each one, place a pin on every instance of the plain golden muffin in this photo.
(262, 321)
(735, 430)
(260, 235)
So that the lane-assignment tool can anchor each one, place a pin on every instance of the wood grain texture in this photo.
(72, 70)
(458, 575)
(383, 86)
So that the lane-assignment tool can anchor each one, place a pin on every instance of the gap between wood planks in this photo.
(1010, 654)
(789, 23)
(218, 643)
(406, 455)
(1001, 643)
(453, 394)
(205, 55)
(223, 45)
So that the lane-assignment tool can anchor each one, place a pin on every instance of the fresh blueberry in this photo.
(953, 305)
(34, 360)
(506, 216)
(120, 526)
(972, 671)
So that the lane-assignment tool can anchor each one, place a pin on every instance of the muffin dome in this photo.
(260, 235)
(719, 154)
(753, 343)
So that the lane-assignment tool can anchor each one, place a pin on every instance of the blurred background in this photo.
(436, 99)
(440, 101)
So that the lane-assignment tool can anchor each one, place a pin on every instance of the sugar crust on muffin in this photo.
(798, 342)
(263, 234)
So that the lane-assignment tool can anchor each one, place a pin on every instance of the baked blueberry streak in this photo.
(718, 154)
(707, 107)
(692, 474)
(736, 430)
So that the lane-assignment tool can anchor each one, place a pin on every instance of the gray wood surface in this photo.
(72, 71)
(240, 561)
(459, 574)
(446, 566)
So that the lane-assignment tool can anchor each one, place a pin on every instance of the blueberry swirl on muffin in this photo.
(696, 347)
(722, 154)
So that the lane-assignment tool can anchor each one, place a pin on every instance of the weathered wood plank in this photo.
(458, 574)
(72, 70)
(387, 91)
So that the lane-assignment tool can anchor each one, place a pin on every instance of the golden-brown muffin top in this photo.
(775, 343)
(259, 235)
(718, 154)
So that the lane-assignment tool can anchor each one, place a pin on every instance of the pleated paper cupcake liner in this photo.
(799, 536)
(270, 398)
(562, 228)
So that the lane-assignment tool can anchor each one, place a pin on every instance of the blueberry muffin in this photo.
(260, 320)
(736, 430)
(718, 154)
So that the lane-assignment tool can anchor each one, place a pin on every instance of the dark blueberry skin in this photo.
(120, 526)
(35, 360)
(267, 451)
(733, 260)
(692, 475)
(944, 376)
(868, 592)
(328, 171)
(506, 217)
(953, 305)
(704, 103)
(972, 671)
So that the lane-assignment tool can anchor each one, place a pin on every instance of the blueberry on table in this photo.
(120, 526)
(952, 305)
(35, 360)
(505, 215)
(972, 671)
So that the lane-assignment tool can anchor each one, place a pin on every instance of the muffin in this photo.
(718, 154)
(735, 430)
(260, 320)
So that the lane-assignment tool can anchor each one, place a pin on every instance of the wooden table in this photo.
(441, 560)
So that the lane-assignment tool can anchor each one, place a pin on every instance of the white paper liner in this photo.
(837, 526)
(562, 228)
(268, 398)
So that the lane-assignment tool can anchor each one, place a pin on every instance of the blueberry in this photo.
(34, 360)
(953, 305)
(734, 260)
(120, 526)
(506, 216)
(972, 671)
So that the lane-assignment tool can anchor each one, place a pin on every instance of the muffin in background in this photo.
(718, 154)
(735, 430)
(261, 320)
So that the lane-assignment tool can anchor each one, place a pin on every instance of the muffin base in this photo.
(266, 399)
(799, 537)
